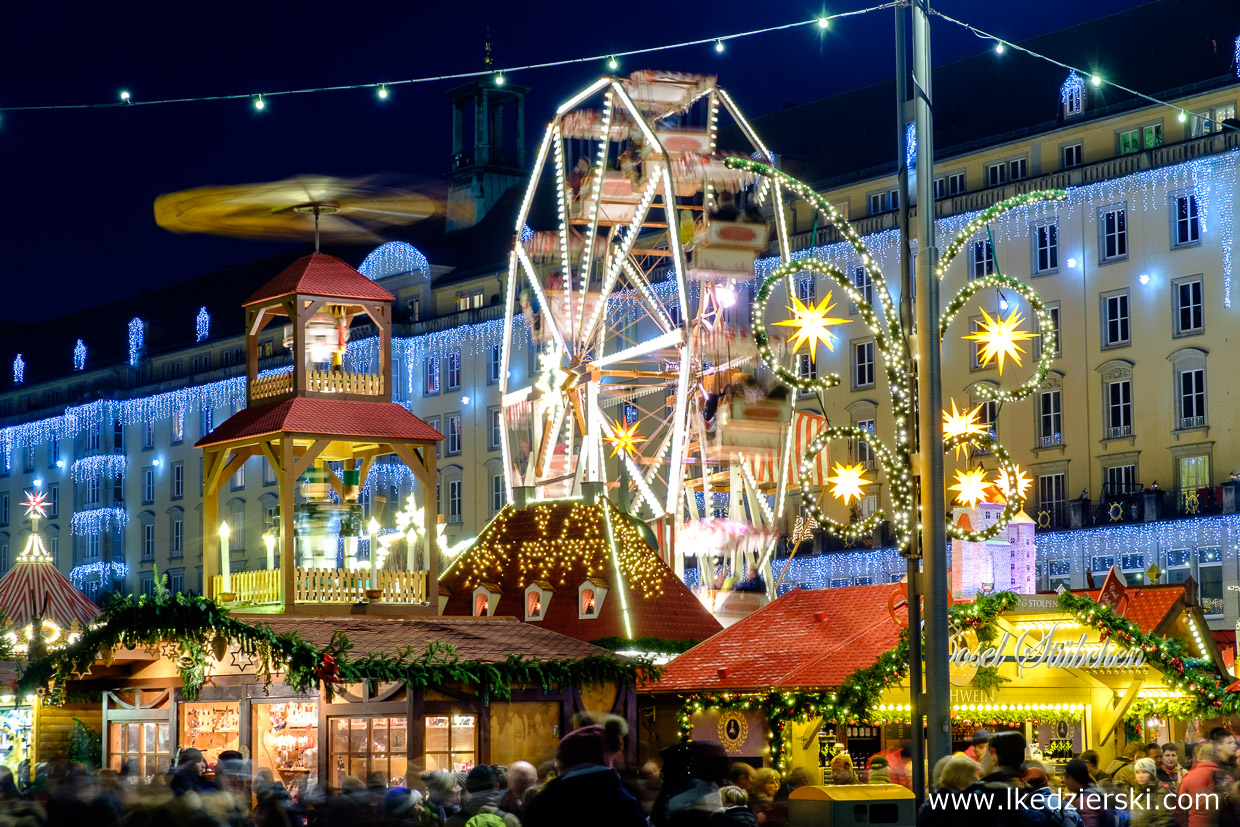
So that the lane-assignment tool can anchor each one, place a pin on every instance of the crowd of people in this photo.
(1151, 785)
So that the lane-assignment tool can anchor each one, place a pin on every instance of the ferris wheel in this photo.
(627, 298)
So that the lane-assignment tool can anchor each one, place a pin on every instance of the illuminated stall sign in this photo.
(1028, 651)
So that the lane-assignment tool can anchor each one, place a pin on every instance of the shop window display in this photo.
(361, 746)
(140, 750)
(450, 742)
(286, 741)
(211, 728)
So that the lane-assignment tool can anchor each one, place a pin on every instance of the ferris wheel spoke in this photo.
(548, 311)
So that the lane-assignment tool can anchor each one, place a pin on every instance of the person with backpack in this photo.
(480, 807)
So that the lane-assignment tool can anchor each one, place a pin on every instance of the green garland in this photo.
(190, 630)
(856, 698)
(1206, 693)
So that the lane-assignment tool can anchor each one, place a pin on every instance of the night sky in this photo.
(78, 185)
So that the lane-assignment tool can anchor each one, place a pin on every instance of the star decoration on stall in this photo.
(812, 324)
(999, 338)
(624, 439)
(36, 504)
(971, 486)
(848, 481)
(1020, 482)
(963, 423)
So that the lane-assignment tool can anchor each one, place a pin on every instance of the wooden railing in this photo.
(334, 381)
(274, 384)
(343, 586)
(250, 587)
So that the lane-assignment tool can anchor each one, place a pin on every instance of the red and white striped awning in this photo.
(805, 426)
(34, 587)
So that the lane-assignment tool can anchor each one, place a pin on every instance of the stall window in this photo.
(451, 742)
(286, 740)
(360, 746)
(144, 749)
(1210, 580)
(210, 727)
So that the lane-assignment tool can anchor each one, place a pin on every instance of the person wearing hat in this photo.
(978, 748)
(402, 806)
(482, 795)
(1153, 803)
(588, 789)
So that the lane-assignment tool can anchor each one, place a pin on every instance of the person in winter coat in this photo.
(879, 772)
(1088, 798)
(1153, 802)
(842, 771)
(946, 806)
(1045, 803)
(482, 795)
(586, 784)
(1198, 789)
(735, 812)
(1169, 769)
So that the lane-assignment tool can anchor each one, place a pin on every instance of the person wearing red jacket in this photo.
(1198, 790)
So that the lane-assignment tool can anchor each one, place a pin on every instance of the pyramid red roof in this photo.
(319, 274)
(560, 545)
(807, 638)
(299, 415)
(35, 587)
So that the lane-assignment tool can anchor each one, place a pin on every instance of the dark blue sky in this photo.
(78, 185)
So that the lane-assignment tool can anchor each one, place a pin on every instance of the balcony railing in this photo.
(320, 381)
(255, 588)
(250, 588)
(1187, 422)
(1119, 431)
(1053, 439)
(1132, 503)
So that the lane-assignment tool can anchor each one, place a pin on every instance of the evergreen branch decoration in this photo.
(192, 630)
(892, 343)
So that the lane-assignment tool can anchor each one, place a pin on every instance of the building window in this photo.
(53, 500)
(176, 581)
(468, 301)
(92, 546)
(1059, 573)
(1113, 225)
(862, 451)
(1189, 312)
(454, 370)
(208, 419)
(454, 501)
(1073, 95)
(148, 433)
(1018, 169)
(178, 537)
(995, 174)
(454, 434)
(1187, 229)
(1072, 155)
(450, 742)
(53, 452)
(93, 491)
(269, 474)
(1191, 397)
(140, 750)
(148, 542)
(495, 418)
(806, 368)
(178, 480)
(178, 426)
(1121, 481)
(1210, 580)
(29, 465)
(975, 347)
(499, 492)
(1145, 137)
(1051, 499)
(1050, 418)
(54, 547)
(148, 485)
(1115, 330)
(955, 184)
(864, 285)
(1042, 339)
(940, 188)
(372, 745)
(863, 365)
(981, 259)
(93, 433)
(4, 508)
(494, 362)
(1119, 408)
(807, 290)
(430, 375)
(1046, 248)
(238, 479)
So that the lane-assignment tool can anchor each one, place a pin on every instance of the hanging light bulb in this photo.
(1095, 80)
(999, 48)
(824, 22)
(125, 96)
(718, 45)
(499, 79)
(1182, 117)
(613, 64)
(383, 91)
(259, 103)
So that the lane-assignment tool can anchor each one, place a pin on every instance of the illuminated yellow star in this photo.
(624, 439)
(959, 423)
(1020, 482)
(36, 504)
(812, 325)
(971, 486)
(999, 337)
(848, 481)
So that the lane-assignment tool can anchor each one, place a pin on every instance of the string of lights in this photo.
(498, 75)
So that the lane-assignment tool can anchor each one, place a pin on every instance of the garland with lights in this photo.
(855, 700)
(1206, 694)
(190, 631)
(812, 325)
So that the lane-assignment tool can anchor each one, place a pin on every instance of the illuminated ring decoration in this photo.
(986, 216)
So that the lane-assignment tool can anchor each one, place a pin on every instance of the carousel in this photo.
(647, 378)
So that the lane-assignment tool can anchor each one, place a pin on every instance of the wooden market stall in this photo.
(820, 671)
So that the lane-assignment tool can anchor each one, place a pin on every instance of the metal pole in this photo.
(918, 745)
(929, 403)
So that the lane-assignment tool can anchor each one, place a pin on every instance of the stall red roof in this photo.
(560, 545)
(807, 638)
(474, 638)
(1149, 606)
(319, 274)
(326, 417)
